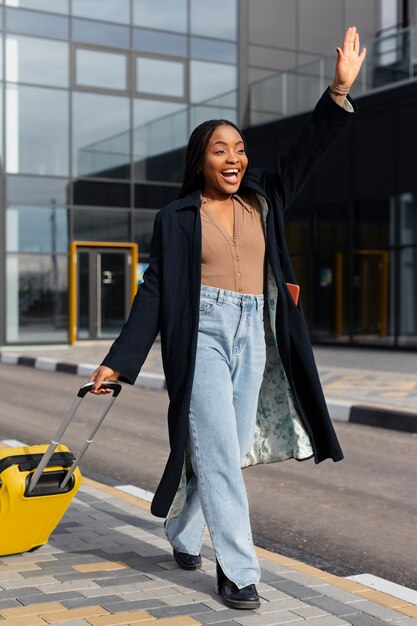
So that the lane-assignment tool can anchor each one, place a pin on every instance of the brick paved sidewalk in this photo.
(108, 563)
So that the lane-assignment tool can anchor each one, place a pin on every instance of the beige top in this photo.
(234, 263)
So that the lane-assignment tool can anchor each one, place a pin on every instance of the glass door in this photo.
(103, 291)
(370, 294)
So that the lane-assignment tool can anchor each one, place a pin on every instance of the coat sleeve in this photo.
(324, 126)
(129, 351)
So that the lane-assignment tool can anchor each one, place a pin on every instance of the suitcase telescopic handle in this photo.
(84, 389)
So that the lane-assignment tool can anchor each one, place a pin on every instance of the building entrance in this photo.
(103, 284)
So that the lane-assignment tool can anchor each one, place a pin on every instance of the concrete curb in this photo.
(340, 410)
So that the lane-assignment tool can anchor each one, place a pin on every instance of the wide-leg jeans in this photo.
(228, 374)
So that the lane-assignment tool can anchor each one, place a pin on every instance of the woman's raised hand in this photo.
(101, 374)
(349, 61)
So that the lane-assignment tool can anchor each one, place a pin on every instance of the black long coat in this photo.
(168, 300)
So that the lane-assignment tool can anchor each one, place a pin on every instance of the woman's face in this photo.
(224, 163)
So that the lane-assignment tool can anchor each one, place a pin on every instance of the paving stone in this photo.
(136, 605)
(127, 580)
(377, 610)
(19, 593)
(81, 602)
(11, 603)
(275, 606)
(362, 619)
(295, 590)
(333, 606)
(309, 612)
(283, 617)
(184, 609)
(218, 617)
(51, 597)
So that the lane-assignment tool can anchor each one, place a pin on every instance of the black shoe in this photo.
(246, 598)
(187, 561)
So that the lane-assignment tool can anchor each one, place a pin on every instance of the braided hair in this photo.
(193, 173)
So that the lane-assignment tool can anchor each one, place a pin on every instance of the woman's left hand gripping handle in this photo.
(101, 374)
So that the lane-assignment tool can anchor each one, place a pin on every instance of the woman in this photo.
(240, 373)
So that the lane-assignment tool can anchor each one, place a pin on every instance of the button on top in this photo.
(238, 274)
(236, 258)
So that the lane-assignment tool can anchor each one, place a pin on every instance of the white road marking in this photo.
(386, 586)
(137, 491)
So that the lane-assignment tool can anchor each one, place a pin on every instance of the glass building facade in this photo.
(97, 101)
(96, 104)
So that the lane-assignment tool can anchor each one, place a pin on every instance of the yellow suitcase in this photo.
(37, 483)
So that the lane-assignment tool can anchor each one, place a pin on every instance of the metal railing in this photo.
(390, 58)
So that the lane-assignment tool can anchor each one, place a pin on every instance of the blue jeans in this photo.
(228, 374)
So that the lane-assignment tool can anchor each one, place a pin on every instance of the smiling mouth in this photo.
(231, 175)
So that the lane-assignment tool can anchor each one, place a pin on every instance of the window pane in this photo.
(330, 308)
(33, 23)
(160, 77)
(108, 10)
(408, 218)
(213, 50)
(39, 61)
(87, 31)
(217, 18)
(408, 297)
(298, 230)
(100, 193)
(37, 298)
(211, 79)
(34, 229)
(155, 41)
(35, 190)
(332, 226)
(101, 135)
(101, 69)
(37, 131)
(161, 14)
(53, 6)
(160, 134)
(372, 293)
(101, 225)
(374, 223)
(1, 49)
(144, 221)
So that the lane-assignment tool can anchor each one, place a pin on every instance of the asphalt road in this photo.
(355, 516)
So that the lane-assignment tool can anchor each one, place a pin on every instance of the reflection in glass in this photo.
(53, 6)
(168, 15)
(408, 218)
(36, 190)
(201, 112)
(408, 297)
(332, 226)
(102, 194)
(38, 61)
(144, 221)
(160, 133)
(163, 43)
(374, 223)
(101, 225)
(331, 297)
(160, 77)
(216, 18)
(211, 79)
(101, 144)
(34, 229)
(371, 295)
(37, 298)
(33, 23)
(101, 69)
(100, 33)
(213, 50)
(109, 10)
(37, 131)
(298, 230)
